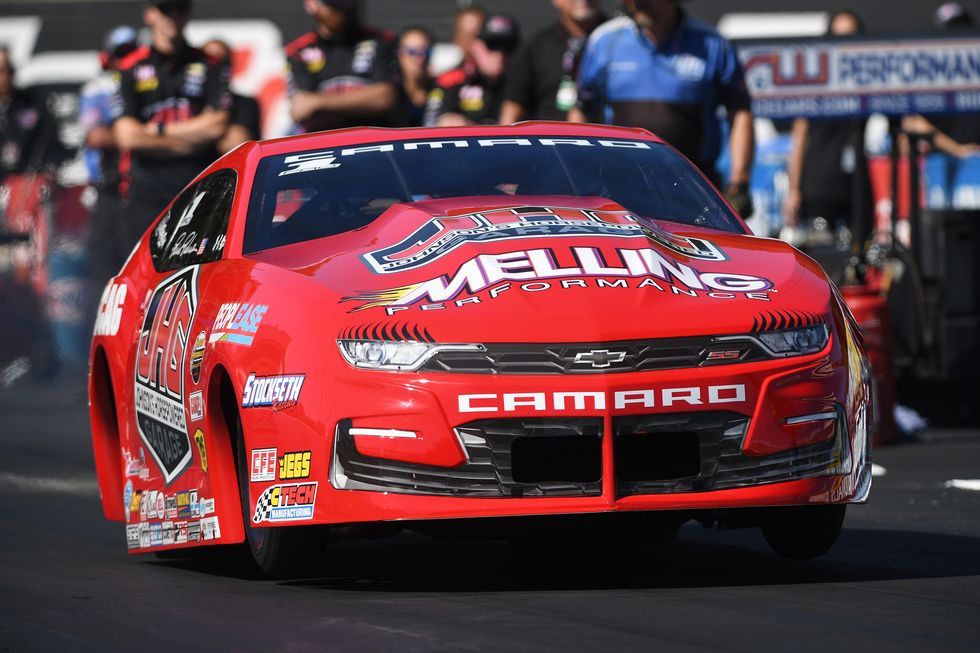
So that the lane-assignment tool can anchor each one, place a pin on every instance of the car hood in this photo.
(552, 269)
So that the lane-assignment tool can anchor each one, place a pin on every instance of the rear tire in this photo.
(803, 532)
(280, 552)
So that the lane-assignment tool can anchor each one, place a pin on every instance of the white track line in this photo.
(878, 470)
(965, 484)
(75, 486)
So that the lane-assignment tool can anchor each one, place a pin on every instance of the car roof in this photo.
(362, 135)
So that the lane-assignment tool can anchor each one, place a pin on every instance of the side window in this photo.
(193, 230)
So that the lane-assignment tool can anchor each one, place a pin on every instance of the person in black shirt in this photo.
(541, 82)
(342, 74)
(244, 119)
(172, 111)
(827, 167)
(414, 49)
(472, 93)
(27, 132)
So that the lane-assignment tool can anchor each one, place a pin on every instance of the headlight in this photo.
(392, 355)
(796, 342)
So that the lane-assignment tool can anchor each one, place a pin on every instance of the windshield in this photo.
(302, 196)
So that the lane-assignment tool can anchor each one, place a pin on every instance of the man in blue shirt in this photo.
(659, 69)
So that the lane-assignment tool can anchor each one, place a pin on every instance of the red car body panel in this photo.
(292, 304)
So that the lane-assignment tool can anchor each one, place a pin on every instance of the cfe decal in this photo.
(286, 502)
(537, 270)
(160, 359)
(263, 466)
(442, 235)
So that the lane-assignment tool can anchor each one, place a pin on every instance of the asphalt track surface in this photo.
(905, 575)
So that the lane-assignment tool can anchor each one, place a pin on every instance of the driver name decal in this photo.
(160, 368)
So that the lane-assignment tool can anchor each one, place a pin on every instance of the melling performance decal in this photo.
(160, 369)
(537, 270)
(440, 236)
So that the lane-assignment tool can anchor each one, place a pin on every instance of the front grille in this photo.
(506, 458)
(555, 457)
(594, 358)
(720, 463)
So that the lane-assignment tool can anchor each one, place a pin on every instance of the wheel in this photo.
(280, 552)
(803, 532)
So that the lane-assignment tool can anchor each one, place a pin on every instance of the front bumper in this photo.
(457, 462)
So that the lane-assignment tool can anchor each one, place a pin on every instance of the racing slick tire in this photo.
(280, 552)
(803, 532)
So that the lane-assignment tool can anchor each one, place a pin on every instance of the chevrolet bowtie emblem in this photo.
(600, 357)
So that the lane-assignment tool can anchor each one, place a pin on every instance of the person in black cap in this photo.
(342, 74)
(541, 83)
(245, 116)
(472, 93)
(173, 109)
(95, 114)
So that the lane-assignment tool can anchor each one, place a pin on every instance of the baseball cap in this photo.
(951, 15)
(500, 32)
(122, 37)
(340, 5)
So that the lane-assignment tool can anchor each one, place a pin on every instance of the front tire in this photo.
(280, 552)
(803, 532)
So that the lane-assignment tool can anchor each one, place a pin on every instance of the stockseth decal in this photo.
(565, 402)
(286, 502)
(539, 270)
(110, 310)
(160, 360)
(293, 465)
(279, 392)
(263, 465)
(237, 323)
(442, 235)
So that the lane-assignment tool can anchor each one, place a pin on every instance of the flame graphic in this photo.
(384, 297)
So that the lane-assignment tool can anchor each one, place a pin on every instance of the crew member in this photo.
(472, 93)
(95, 114)
(342, 74)
(659, 69)
(414, 50)
(244, 119)
(541, 81)
(172, 113)
(828, 169)
(27, 133)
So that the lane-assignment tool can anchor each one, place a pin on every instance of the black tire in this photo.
(280, 552)
(803, 532)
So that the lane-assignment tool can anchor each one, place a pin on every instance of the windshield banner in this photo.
(849, 78)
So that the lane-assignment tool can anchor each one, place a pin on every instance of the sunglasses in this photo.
(415, 52)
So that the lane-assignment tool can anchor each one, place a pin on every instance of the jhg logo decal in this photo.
(160, 369)
(286, 502)
(440, 236)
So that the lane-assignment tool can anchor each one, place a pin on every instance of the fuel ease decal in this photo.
(160, 368)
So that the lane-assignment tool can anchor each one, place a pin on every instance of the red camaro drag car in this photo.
(388, 327)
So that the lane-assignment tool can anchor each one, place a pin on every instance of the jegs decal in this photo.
(440, 236)
(293, 465)
(110, 310)
(160, 360)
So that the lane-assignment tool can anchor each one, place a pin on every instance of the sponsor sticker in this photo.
(156, 534)
(293, 465)
(210, 529)
(183, 504)
(171, 507)
(168, 532)
(128, 498)
(263, 465)
(151, 504)
(285, 502)
(160, 359)
(207, 506)
(144, 535)
(278, 392)
(132, 536)
(237, 323)
(197, 357)
(180, 532)
(195, 402)
(136, 506)
(202, 449)
(193, 531)
(110, 311)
